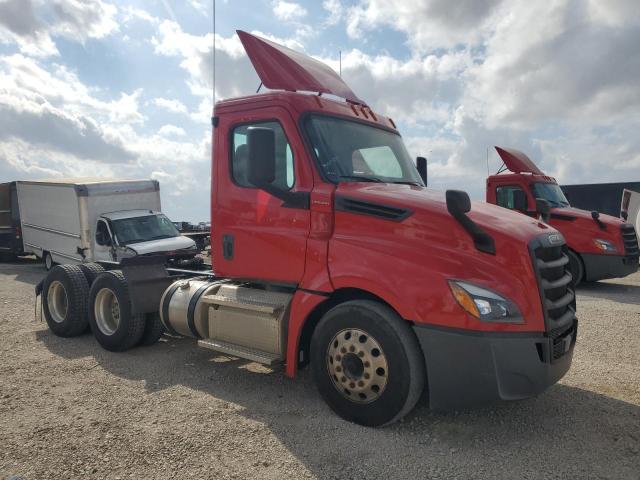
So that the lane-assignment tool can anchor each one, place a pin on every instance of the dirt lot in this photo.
(69, 409)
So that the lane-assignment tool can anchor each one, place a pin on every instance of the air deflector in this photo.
(281, 68)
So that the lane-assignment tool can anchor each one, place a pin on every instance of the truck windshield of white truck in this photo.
(552, 193)
(349, 151)
(143, 229)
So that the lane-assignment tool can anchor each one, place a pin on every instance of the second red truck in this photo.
(600, 246)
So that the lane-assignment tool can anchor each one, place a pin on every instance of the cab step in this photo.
(252, 354)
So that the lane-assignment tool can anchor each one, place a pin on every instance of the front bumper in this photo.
(599, 267)
(467, 368)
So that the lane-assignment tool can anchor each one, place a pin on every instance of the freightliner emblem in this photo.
(554, 238)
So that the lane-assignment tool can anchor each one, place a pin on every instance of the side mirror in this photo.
(543, 207)
(519, 200)
(421, 164)
(262, 156)
(458, 202)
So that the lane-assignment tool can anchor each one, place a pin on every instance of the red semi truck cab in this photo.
(329, 250)
(600, 246)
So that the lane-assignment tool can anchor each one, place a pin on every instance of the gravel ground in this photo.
(69, 409)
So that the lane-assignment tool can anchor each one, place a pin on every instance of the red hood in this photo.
(421, 201)
(608, 220)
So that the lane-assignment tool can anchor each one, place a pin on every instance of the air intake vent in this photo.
(384, 212)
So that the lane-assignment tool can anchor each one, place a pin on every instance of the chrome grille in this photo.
(551, 264)
(630, 240)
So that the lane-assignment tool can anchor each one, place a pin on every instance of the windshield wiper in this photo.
(360, 178)
(415, 184)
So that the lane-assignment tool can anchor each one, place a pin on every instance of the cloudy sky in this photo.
(124, 89)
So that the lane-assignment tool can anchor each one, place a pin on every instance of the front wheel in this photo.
(576, 268)
(367, 363)
(48, 261)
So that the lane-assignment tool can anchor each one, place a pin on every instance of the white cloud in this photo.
(171, 105)
(335, 10)
(171, 131)
(288, 11)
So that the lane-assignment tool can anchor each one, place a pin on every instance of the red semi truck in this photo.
(328, 249)
(600, 246)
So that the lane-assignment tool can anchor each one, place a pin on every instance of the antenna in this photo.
(213, 86)
(488, 161)
(340, 63)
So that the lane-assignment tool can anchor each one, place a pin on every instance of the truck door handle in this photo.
(227, 247)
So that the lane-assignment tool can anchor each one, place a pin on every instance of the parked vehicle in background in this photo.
(630, 208)
(602, 197)
(600, 246)
(10, 233)
(97, 220)
(329, 250)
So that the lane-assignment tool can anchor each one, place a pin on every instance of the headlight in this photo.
(484, 304)
(605, 246)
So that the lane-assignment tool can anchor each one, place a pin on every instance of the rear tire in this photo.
(48, 261)
(367, 363)
(113, 324)
(576, 267)
(65, 296)
(153, 329)
(91, 271)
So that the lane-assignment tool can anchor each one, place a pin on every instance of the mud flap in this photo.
(147, 279)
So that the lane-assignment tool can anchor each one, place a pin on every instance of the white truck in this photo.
(97, 220)
(630, 208)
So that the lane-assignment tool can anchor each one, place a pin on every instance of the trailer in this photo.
(328, 250)
(96, 220)
(599, 197)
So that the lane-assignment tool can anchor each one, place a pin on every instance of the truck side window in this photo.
(240, 156)
(102, 233)
(504, 196)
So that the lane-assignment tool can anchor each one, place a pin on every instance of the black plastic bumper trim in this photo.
(470, 368)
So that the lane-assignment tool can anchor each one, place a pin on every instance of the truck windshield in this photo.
(552, 193)
(143, 229)
(349, 151)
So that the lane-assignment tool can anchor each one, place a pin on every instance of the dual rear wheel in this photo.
(78, 297)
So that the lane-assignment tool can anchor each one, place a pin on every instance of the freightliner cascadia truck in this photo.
(328, 250)
(600, 246)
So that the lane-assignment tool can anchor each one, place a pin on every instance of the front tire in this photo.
(113, 324)
(576, 268)
(48, 261)
(367, 363)
(65, 296)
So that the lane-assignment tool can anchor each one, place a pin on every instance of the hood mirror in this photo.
(458, 202)
(543, 207)
(421, 164)
(596, 217)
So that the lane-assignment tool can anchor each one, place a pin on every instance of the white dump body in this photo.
(631, 205)
(59, 216)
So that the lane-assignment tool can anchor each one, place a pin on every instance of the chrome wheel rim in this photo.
(57, 301)
(357, 365)
(48, 261)
(107, 311)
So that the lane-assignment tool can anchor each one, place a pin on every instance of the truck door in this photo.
(254, 235)
(102, 242)
(512, 197)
